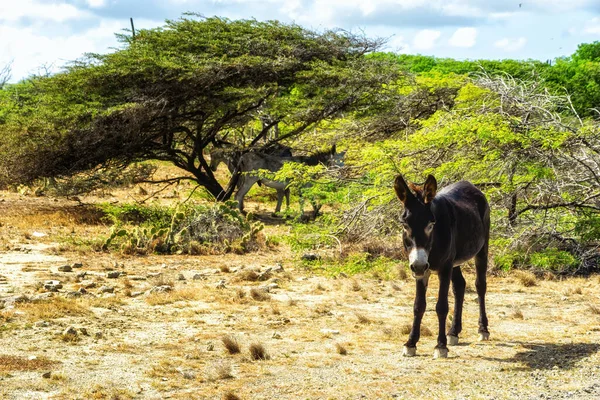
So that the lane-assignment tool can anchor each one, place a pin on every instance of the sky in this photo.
(39, 36)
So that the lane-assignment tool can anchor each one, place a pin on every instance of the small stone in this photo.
(210, 347)
(161, 289)
(82, 290)
(113, 274)
(98, 335)
(327, 331)
(199, 277)
(278, 268)
(70, 331)
(276, 335)
(88, 284)
(136, 294)
(310, 257)
(16, 299)
(42, 296)
(73, 295)
(106, 289)
(84, 331)
(81, 275)
(65, 268)
(77, 265)
(41, 324)
(154, 274)
(47, 375)
(137, 278)
(52, 286)
(180, 277)
(265, 275)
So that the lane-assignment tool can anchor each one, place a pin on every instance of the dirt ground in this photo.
(114, 329)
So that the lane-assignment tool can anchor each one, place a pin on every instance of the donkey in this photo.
(442, 231)
(251, 162)
(221, 153)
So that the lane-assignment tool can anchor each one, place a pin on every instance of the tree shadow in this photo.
(550, 355)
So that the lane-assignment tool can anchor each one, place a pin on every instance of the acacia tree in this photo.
(169, 92)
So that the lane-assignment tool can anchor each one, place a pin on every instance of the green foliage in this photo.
(197, 229)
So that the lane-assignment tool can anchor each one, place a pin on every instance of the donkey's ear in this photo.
(333, 148)
(429, 189)
(402, 190)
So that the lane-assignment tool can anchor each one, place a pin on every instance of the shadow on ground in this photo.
(550, 355)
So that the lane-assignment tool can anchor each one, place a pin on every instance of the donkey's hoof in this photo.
(452, 340)
(409, 351)
(484, 336)
(440, 353)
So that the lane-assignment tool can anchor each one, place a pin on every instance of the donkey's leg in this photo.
(243, 189)
(481, 263)
(410, 347)
(280, 194)
(287, 198)
(458, 287)
(441, 308)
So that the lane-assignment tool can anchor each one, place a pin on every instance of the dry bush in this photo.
(224, 268)
(355, 286)
(526, 278)
(275, 309)
(259, 294)
(187, 294)
(341, 349)
(231, 344)
(258, 352)
(405, 329)
(517, 314)
(572, 290)
(55, 307)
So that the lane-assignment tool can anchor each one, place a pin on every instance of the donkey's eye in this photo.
(429, 227)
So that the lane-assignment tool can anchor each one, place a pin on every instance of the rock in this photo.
(265, 275)
(42, 296)
(73, 295)
(47, 375)
(88, 284)
(221, 284)
(81, 275)
(326, 331)
(77, 265)
(98, 335)
(269, 287)
(11, 301)
(154, 274)
(137, 278)
(41, 324)
(136, 294)
(180, 277)
(113, 274)
(276, 335)
(210, 347)
(70, 331)
(278, 268)
(84, 331)
(199, 277)
(65, 268)
(161, 289)
(310, 257)
(82, 290)
(106, 289)
(52, 286)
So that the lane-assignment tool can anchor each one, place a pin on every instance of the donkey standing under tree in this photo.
(441, 232)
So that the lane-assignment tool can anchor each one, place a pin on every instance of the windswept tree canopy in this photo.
(171, 91)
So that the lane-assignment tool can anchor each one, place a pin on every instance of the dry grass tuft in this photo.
(518, 314)
(55, 307)
(526, 278)
(231, 396)
(231, 344)
(259, 294)
(594, 309)
(405, 329)
(248, 275)
(220, 370)
(425, 331)
(341, 349)
(258, 352)
(225, 268)
(362, 318)
(15, 363)
(275, 309)
(355, 286)
(571, 291)
(186, 294)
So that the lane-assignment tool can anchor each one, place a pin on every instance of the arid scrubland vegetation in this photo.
(126, 271)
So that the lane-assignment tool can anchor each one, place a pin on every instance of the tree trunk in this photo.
(512, 210)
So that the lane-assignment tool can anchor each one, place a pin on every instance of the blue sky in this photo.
(42, 35)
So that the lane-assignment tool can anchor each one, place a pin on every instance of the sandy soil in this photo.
(131, 343)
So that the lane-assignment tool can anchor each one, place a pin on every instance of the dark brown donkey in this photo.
(442, 231)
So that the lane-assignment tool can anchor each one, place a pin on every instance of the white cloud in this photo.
(592, 26)
(463, 37)
(34, 9)
(425, 39)
(96, 3)
(507, 44)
